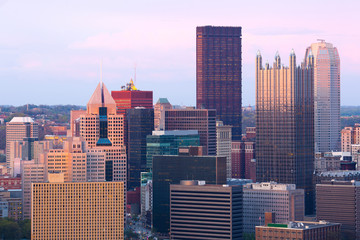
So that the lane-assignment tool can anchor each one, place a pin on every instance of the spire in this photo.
(292, 53)
(101, 98)
(258, 54)
(277, 54)
(310, 53)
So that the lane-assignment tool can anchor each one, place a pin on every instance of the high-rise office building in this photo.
(194, 211)
(326, 95)
(130, 97)
(103, 130)
(18, 129)
(84, 210)
(168, 143)
(339, 201)
(223, 144)
(218, 74)
(171, 170)
(285, 124)
(159, 113)
(202, 120)
(140, 123)
(349, 136)
(285, 201)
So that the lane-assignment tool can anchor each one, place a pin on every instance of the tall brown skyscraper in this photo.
(218, 74)
(285, 124)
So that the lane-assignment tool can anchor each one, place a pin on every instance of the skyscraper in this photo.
(83, 210)
(140, 123)
(326, 95)
(160, 107)
(18, 129)
(218, 74)
(202, 120)
(285, 124)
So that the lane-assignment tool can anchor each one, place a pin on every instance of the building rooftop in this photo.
(301, 225)
(270, 186)
(162, 100)
(339, 173)
(22, 120)
(175, 132)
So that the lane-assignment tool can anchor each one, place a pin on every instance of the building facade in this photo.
(171, 170)
(285, 201)
(140, 123)
(194, 211)
(218, 74)
(285, 124)
(339, 201)
(202, 120)
(160, 107)
(86, 210)
(223, 145)
(168, 143)
(326, 95)
(349, 136)
(300, 231)
(18, 129)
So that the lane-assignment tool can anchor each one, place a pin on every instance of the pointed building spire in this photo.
(277, 54)
(292, 53)
(258, 53)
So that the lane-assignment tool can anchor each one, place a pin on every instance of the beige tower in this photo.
(84, 210)
(18, 129)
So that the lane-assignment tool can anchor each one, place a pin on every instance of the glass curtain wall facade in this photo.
(218, 74)
(285, 124)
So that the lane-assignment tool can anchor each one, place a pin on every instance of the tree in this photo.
(129, 234)
(25, 226)
(9, 230)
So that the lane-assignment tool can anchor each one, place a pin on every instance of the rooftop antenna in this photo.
(135, 74)
(101, 84)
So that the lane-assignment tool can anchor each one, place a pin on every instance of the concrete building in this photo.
(218, 74)
(171, 170)
(284, 109)
(85, 210)
(326, 61)
(18, 129)
(300, 231)
(103, 130)
(339, 201)
(160, 107)
(202, 120)
(168, 143)
(349, 136)
(285, 201)
(223, 145)
(205, 211)
(326, 162)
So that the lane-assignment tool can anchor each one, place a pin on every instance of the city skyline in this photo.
(62, 43)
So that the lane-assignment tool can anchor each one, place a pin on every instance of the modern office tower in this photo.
(339, 201)
(130, 97)
(299, 230)
(349, 136)
(202, 120)
(140, 123)
(168, 143)
(18, 129)
(285, 124)
(171, 170)
(202, 211)
(84, 210)
(160, 107)
(103, 130)
(218, 74)
(223, 144)
(283, 200)
(326, 95)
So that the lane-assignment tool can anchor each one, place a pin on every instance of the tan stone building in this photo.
(84, 210)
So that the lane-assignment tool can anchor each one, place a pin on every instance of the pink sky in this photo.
(47, 46)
